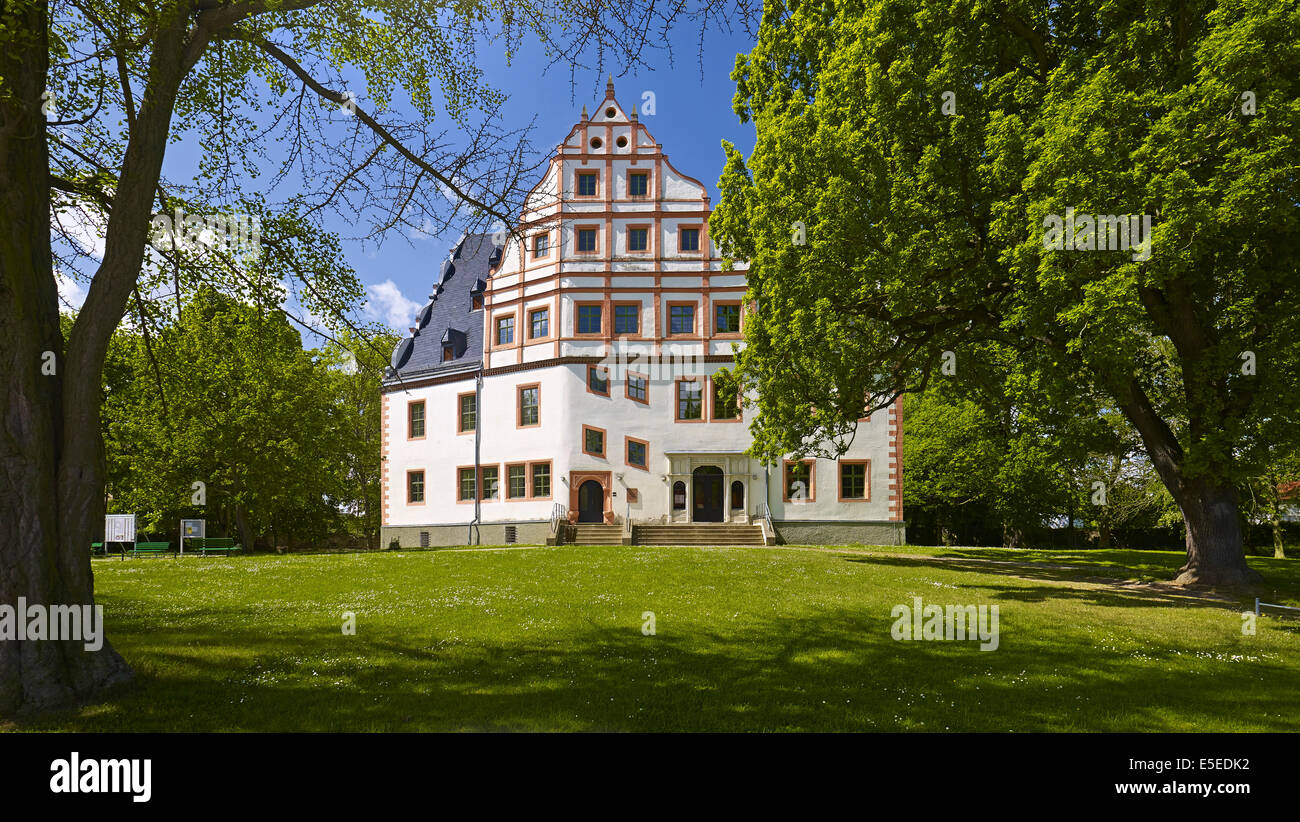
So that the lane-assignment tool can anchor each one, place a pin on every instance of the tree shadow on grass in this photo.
(1117, 593)
(834, 669)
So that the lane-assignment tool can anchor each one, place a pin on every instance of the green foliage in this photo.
(924, 231)
(282, 438)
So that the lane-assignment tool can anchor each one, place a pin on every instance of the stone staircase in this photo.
(594, 534)
(721, 533)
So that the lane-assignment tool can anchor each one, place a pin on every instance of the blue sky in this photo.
(693, 115)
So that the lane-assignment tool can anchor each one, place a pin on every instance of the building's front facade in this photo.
(574, 366)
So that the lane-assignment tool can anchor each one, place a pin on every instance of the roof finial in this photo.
(584, 112)
(609, 86)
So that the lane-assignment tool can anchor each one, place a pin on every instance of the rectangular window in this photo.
(505, 330)
(638, 388)
(598, 380)
(465, 493)
(726, 318)
(638, 239)
(586, 184)
(725, 406)
(475, 302)
(681, 319)
(636, 452)
(491, 479)
(638, 184)
(415, 486)
(516, 481)
(541, 479)
(541, 245)
(539, 323)
(587, 239)
(448, 353)
(468, 414)
(589, 319)
(415, 420)
(530, 405)
(593, 441)
(853, 479)
(627, 318)
(798, 481)
(690, 400)
(688, 239)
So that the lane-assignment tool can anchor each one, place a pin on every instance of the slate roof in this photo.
(447, 316)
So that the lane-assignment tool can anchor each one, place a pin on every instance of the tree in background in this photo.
(229, 418)
(911, 159)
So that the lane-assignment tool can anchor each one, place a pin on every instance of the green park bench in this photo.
(151, 548)
(214, 545)
(97, 548)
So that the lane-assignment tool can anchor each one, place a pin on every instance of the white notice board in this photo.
(119, 528)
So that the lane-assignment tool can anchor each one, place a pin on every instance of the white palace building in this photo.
(559, 386)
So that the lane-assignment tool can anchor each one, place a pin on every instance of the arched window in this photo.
(679, 496)
(737, 495)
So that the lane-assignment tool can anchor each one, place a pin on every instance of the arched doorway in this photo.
(706, 493)
(591, 502)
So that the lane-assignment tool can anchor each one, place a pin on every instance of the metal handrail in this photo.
(559, 513)
(764, 511)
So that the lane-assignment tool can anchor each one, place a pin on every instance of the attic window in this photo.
(621, 142)
(476, 302)
(596, 143)
(610, 112)
(448, 353)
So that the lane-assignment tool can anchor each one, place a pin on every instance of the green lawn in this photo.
(746, 639)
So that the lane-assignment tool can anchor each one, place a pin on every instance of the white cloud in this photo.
(72, 294)
(424, 232)
(387, 303)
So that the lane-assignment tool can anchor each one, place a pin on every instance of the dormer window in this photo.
(476, 302)
(448, 352)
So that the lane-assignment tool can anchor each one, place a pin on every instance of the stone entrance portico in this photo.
(711, 486)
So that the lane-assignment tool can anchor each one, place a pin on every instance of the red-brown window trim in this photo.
(550, 323)
(424, 485)
(677, 399)
(532, 252)
(627, 441)
(694, 333)
(740, 318)
(604, 441)
(866, 480)
(410, 413)
(493, 330)
(532, 467)
(604, 320)
(519, 405)
(627, 386)
(649, 239)
(605, 371)
(577, 173)
(812, 479)
(699, 228)
(640, 319)
(505, 482)
(459, 469)
(596, 227)
(649, 185)
(460, 417)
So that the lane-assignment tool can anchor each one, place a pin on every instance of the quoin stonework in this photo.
(560, 383)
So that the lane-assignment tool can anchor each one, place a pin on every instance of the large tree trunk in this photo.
(44, 547)
(1214, 540)
(1215, 552)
